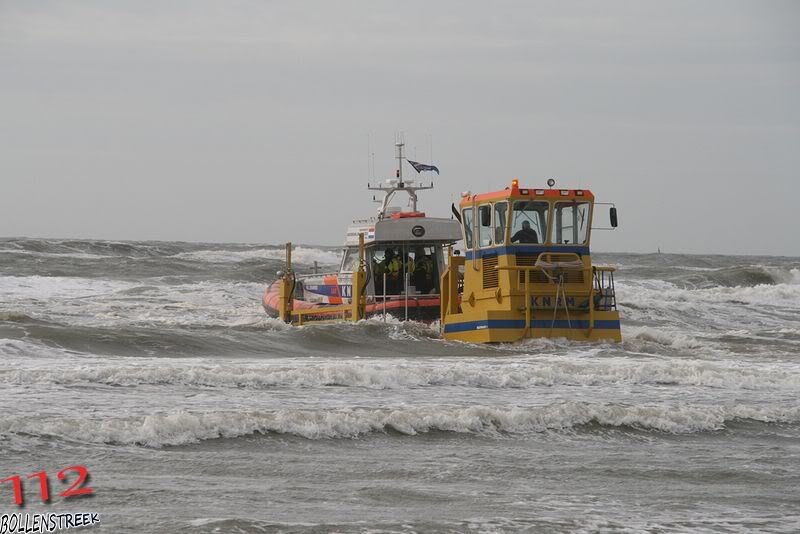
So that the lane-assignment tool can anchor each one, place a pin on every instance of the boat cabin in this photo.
(404, 253)
(403, 258)
(527, 269)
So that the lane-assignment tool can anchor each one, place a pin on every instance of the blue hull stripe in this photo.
(525, 249)
(606, 324)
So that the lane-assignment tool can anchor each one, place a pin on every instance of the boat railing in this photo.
(550, 271)
(600, 295)
(606, 294)
(353, 311)
(452, 285)
(407, 297)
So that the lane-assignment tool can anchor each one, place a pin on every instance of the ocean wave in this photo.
(181, 427)
(650, 295)
(742, 276)
(301, 255)
(28, 351)
(100, 302)
(203, 252)
(536, 372)
(58, 287)
(16, 317)
(89, 248)
(635, 337)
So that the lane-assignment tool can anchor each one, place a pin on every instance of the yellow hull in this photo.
(506, 327)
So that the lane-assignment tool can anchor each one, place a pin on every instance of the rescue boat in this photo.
(391, 264)
(527, 269)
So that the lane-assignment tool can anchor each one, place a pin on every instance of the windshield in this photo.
(350, 261)
(529, 222)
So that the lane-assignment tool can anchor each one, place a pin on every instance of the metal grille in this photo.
(529, 260)
(570, 276)
(490, 274)
(573, 277)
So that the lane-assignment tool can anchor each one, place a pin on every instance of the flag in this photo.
(419, 167)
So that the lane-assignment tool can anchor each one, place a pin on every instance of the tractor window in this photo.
(529, 222)
(485, 225)
(466, 216)
(571, 223)
(500, 213)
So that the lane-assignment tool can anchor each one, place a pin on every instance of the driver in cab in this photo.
(525, 235)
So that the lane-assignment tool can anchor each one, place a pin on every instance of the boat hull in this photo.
(509, 326)
(423, 308)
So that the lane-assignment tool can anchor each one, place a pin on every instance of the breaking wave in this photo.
(636, 337)
(378, 375)
(742, 276)
(659, 294)
(135, 261)
(181, 427)
(100, 302)
(300, 254)
(95, 248)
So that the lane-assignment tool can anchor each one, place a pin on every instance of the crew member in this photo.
(423, 275)
(393, 270)
(525, 235)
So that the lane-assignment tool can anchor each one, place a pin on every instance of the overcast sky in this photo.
(252, 120)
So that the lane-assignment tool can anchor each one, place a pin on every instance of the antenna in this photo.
(400, 144)
(396, 184)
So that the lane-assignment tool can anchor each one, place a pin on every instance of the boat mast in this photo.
(399, 146)
(393, 185)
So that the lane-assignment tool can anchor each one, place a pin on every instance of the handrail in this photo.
(448, 287)
(355, 309)
(534, 268)
(531, 268)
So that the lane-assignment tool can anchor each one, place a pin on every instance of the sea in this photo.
(154, 366)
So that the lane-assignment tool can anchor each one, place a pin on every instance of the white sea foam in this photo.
(698, 312)
(550, 371)
(634, 336)
(25, 350)
(58, 287)
(663, 294)
(782, 275)
(181, 427)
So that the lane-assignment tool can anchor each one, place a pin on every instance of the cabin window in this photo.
(424, 270)
(394, 264)
(485, 225)
(350, 261)
(466, 216)
(529, 222)
(500, 219)
(571, 223)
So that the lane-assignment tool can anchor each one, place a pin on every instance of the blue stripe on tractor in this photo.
(525, 249)
(582, 324)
